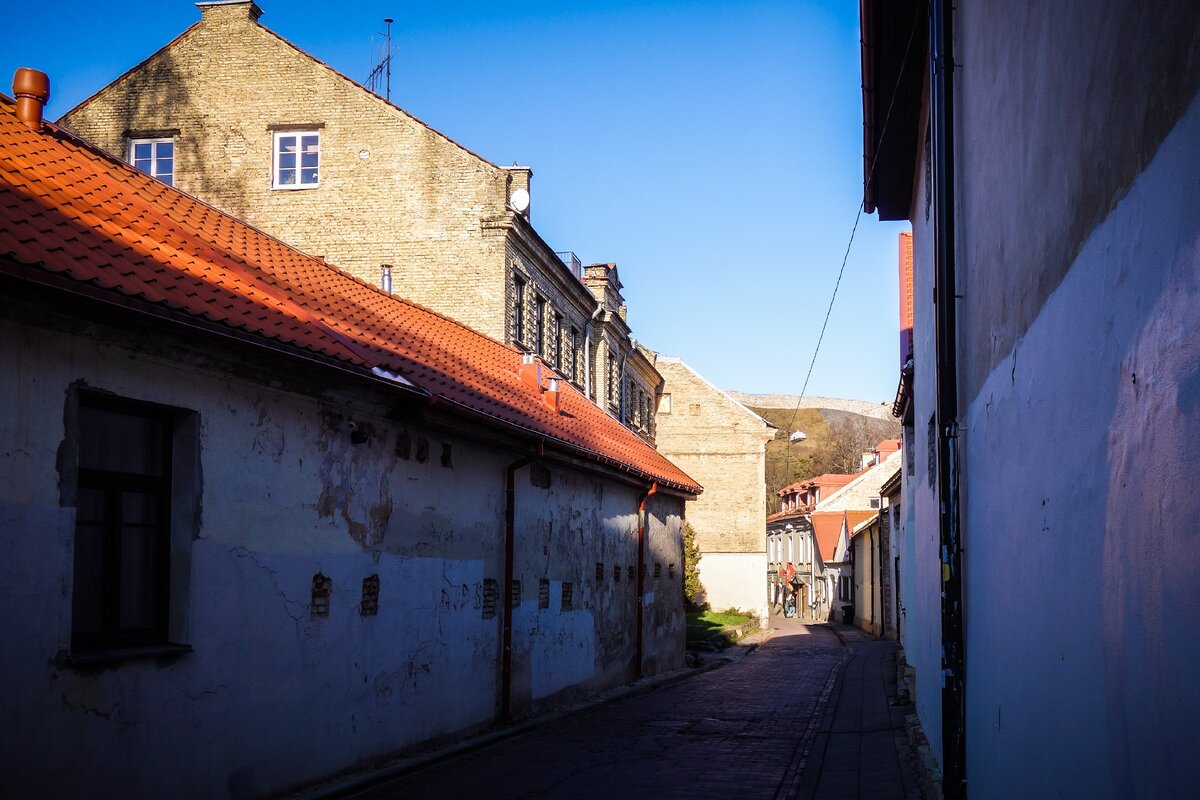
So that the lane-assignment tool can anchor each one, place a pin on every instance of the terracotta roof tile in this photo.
(70, 209)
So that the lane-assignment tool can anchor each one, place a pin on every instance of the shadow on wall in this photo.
(156, 99)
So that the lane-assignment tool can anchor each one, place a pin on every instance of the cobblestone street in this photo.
(756, 727)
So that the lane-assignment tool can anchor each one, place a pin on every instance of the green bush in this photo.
(693, 589)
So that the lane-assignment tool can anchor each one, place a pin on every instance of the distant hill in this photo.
(789, 402)
(836, 434)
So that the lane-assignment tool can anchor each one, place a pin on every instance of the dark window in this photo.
(558, 336)
(539, 319)
(611, 389)
(543, 593)
(574, 354)
(122, 525)
(322, 588)
(616, 573)
(568, 595)
(931, 456)
(518, 310)
(489, 596)
(370, 596)
(599, 570)
(657, 569)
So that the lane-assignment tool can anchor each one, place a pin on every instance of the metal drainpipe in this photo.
(641, 580)
(941, 38)
(510, 504)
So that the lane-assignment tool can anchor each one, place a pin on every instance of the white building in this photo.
(262, 523)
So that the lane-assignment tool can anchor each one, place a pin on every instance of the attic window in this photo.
(874, 502)
(155, 157)
(296, 160)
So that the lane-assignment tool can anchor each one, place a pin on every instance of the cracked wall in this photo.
(273, 693)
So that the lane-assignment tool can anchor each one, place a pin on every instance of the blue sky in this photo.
(711, 149)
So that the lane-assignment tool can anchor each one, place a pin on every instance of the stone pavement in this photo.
(788, 716)
(861, 748)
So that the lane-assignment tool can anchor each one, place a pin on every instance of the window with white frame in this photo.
(297, 157)
(155, 157)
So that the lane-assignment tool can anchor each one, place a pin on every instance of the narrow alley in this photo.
(804, 713)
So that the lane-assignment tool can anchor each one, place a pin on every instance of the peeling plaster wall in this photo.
(273, 696)
(1082, 570)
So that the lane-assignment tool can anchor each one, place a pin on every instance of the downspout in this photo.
(881, 533)
(941, 70)
(587, 352)
(510, 504)
(641, 578)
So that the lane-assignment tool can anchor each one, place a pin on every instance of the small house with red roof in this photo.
(263, 522)
(814, 531)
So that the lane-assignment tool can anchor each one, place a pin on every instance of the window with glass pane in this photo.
(297, 160)
(558, 333)
(154, 157)
(539, 333)
(518, 310)
(122, 525)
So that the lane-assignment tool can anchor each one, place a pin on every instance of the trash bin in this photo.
(848, 615)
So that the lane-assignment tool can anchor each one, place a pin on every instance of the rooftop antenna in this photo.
(384, 68)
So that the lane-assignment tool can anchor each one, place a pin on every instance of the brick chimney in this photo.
(226, 10)
(32, 90)
(517, 187)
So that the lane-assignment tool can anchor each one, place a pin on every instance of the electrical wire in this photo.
(853, 230)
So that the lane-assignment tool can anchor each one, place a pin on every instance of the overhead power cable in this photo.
(853, 230)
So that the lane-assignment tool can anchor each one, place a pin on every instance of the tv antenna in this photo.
(382, 73)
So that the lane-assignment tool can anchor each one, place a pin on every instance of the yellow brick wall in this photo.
(723, 447)
(392, 190)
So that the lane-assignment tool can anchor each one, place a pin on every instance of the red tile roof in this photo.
(73, 217)
(827, 526)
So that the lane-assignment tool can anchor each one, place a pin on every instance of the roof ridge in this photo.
(383, 100)
(77, 216)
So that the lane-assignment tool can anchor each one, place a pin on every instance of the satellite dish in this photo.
(519, 201)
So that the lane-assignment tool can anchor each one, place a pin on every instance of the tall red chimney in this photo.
(32, 90)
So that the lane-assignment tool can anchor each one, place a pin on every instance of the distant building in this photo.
(813, 533)
(723, 444)
(263, 523)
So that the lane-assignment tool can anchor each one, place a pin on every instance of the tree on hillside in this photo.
(852, 436)
(839, 451)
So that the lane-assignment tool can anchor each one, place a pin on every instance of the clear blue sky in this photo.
(713, 150)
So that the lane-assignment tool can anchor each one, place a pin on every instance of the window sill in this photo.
(92, 658)
(295, 187)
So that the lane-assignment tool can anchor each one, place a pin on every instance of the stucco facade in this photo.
(723, 444)
(1075, 256)
(262, 523)
(282, 495)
